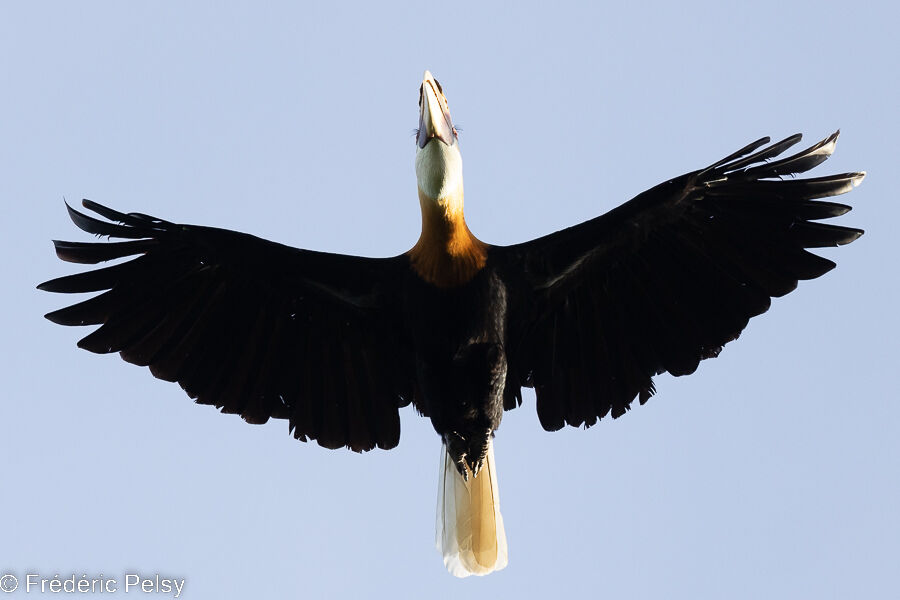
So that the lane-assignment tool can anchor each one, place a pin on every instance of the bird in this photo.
(336, 345)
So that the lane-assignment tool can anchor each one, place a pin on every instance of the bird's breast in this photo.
(448, 266)
(447, 255)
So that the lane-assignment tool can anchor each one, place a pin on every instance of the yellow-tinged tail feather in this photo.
(470, 531)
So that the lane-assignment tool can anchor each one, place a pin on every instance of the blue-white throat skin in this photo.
(438, 159)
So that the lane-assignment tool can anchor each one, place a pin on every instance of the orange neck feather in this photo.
(447, 254)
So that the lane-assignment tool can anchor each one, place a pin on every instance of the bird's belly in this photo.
(459, 340)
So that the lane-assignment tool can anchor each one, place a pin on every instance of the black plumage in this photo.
(336, 344)
(587, 316)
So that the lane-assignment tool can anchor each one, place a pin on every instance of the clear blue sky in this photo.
(771, 473)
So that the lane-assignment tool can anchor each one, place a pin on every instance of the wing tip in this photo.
(852, 234)
(60, 317)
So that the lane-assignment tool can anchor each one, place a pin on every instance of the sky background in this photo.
(771, 473)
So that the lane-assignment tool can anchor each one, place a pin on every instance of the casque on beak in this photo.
(434, 115)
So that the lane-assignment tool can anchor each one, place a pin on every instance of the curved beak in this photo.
(434, 115)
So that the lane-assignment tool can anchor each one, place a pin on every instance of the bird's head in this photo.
(438, 161)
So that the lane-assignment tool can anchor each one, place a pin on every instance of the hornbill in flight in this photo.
(338, 344)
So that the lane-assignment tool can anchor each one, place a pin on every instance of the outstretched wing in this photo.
(250, 326)
(665, 280)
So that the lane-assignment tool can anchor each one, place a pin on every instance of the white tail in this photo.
(470, 531)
